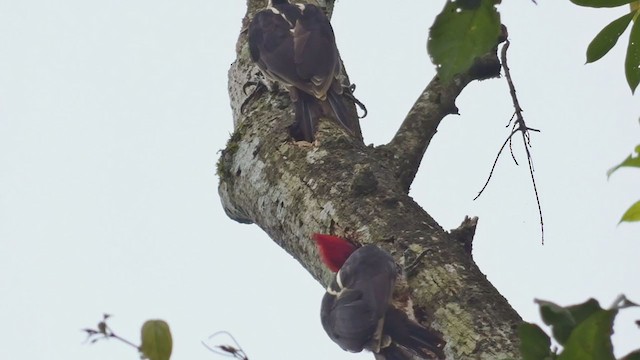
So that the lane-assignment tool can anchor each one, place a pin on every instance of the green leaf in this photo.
(469, 4)
(632, 61)
(463, 31)
(607, 38)
(632, 214)
(635, 355)
(534, 343)
(601, 3)
(582, 311)
(630, 161)
(563, 320)
(591, 339)
(156, 340)
(559, 318)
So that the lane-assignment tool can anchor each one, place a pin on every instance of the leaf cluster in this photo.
(583, 330)
(633, 160)
(463, 31)
(609, 35)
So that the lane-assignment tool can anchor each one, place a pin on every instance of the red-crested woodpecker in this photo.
(295, 45)
(356, 310)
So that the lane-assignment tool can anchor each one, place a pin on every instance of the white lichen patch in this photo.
(438, 279)
(316, 155)
(364, 233)
(459, 331)
(454, 268)
(328, 211)
(247, 163)
(450, 268)
(312, 183)
(416, 248)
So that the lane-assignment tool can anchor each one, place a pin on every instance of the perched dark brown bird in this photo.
(356, 310)
(295, 45)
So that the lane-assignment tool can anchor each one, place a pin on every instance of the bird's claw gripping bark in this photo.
(259, 87)
(409, 269)
(348, 93)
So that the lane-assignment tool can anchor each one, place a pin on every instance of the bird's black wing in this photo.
(271, 46)
(348, 319)
(315, 52)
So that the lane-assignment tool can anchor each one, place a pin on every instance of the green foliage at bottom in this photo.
(633, 160)
(583, 330)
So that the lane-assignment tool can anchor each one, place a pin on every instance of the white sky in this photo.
(111, 117)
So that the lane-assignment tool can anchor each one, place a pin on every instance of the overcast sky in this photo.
(112, 114)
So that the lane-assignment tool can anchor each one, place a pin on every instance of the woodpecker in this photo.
(356, 310)
(295, 45)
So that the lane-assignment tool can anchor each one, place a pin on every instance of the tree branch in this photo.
(340, 186)
(410, 142)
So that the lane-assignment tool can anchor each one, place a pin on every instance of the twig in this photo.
(519, 125)
(104, 332)
(495, 162)
(227, 350)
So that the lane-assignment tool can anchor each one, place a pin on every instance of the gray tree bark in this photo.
(338, 185)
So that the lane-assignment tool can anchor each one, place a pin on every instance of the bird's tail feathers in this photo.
(393, 352)
(413, 336)
(340, 112)
(309, 110)
(306, 118)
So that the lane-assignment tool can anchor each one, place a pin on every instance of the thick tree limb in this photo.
(436, 101)
(340, 186)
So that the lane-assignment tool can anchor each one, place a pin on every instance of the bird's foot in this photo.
(259, 86)
(348, 93)
(413, 266)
